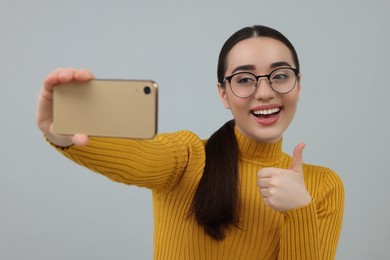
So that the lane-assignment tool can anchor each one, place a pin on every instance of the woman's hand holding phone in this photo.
(44, 118)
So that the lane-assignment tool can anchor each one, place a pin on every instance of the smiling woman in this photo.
(272, 59)
(236, 195)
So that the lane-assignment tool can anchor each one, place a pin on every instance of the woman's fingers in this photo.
(45, 104)
(83, 75)
(80, 139)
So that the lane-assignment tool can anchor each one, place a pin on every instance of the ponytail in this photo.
(216, 201)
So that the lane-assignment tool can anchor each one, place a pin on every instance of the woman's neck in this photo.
(261, 152)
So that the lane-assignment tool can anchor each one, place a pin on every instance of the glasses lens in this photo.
(283, 80)
(243, 84)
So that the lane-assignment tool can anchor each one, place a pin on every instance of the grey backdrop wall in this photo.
(51, 208)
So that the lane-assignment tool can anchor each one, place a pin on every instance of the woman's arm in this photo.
(153, 163)
(311, 199)
(156, 164)
(312, 232)
(330, 210)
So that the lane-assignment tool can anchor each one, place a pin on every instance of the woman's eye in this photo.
(280, 76)
(246, 80)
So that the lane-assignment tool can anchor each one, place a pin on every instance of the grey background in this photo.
(51, 208)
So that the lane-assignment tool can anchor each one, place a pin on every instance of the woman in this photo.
(236, 195)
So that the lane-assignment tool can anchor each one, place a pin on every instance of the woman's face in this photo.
(260, 56)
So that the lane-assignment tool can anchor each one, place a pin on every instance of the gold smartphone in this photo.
(107, 108)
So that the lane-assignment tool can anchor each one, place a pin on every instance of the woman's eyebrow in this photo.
(253, 67)
(280, 64)
(244, 67)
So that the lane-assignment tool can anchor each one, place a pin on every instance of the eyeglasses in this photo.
(244, 84)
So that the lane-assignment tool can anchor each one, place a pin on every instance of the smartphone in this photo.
(107, 108)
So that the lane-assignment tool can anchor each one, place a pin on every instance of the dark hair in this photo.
(216, 203)
(246, 33)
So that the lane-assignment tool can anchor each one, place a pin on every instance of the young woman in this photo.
(236, 195)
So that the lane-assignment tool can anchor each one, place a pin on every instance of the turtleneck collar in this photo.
(258, 152)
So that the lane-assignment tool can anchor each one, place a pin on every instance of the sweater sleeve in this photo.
(156, 164)
(312, 232)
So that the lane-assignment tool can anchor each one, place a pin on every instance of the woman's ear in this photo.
(223, 96)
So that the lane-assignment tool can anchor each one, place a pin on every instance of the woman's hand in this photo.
(284, 189)
(44, 116)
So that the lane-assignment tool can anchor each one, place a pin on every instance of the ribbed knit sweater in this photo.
(171, 165)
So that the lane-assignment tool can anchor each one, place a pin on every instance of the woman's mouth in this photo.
(267, 116)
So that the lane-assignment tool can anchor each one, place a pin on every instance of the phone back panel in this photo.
(108, 108)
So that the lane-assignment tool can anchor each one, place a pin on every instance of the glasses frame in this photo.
(229, 78)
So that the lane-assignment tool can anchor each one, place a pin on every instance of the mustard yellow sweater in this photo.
(171, 165)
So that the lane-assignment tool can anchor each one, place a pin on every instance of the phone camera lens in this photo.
(147, 90)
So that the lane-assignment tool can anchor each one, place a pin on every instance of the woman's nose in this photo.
(264, 90)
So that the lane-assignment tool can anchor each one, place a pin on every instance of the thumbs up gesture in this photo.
(284, 189)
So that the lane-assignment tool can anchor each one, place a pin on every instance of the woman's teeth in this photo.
(266, 112)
